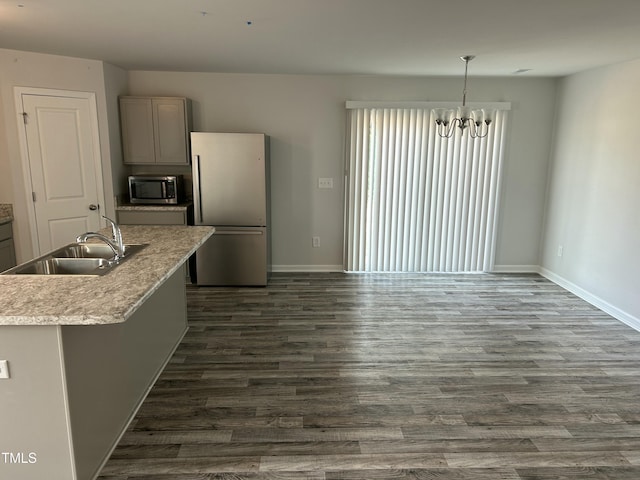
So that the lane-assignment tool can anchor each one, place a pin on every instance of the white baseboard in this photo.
(516, 269)
(307, 268)
(340, 268)
(594, 300)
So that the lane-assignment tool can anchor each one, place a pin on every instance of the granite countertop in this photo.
(6, 213)
(110, 298)
(181, 207)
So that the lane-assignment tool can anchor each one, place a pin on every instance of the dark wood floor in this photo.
(331, 376)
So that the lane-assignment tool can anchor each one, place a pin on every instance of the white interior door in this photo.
(64, 162)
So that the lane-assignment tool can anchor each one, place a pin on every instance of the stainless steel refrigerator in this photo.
(231, 193)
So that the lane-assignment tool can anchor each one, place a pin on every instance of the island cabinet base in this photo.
(74, 389)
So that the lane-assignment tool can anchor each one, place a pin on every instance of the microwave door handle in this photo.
(164, 189)
(197, 200)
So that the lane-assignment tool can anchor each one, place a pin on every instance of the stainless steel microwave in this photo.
(155, 189)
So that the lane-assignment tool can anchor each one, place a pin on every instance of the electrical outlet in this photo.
(560, 250)
(325, 183)
(315, 242)
(4, 369)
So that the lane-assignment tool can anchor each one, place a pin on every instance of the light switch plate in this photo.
(4, 369)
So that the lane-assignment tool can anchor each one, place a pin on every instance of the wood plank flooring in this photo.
(332, 376)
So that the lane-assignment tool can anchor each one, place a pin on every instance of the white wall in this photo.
(26, 69)
(305, 116)
(594, 193)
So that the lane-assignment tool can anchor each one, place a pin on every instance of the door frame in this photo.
(24, 151)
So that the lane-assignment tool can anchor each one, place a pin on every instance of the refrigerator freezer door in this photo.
(233, 256)
(229, 178)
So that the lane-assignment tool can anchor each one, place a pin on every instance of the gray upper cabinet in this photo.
(155, 130)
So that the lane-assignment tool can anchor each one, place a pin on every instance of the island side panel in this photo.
(35, 441)
(110, 369)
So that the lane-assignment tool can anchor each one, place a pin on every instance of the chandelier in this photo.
(476, 122)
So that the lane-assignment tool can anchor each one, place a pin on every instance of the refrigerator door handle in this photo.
(238, 232)
(197, 200)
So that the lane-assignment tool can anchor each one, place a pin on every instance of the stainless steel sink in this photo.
(65, 266)
(76, 259)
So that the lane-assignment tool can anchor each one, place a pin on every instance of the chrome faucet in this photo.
(116, 234)
(115, 242)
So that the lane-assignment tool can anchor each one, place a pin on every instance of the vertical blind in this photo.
(416, 202)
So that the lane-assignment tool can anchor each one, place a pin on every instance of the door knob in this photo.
(93, 206)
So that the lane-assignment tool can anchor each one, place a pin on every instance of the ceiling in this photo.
(388, 37)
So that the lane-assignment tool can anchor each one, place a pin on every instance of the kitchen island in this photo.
(83, 352)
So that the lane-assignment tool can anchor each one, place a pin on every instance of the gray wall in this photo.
(594, 193)
(115, 84)
(305, 116)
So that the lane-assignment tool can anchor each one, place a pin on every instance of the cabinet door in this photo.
(170, 131)
(6, 232)
(136, 118)
(7, 255)
(126, 217)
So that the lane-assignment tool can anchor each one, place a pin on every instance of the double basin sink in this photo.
(76, 259)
